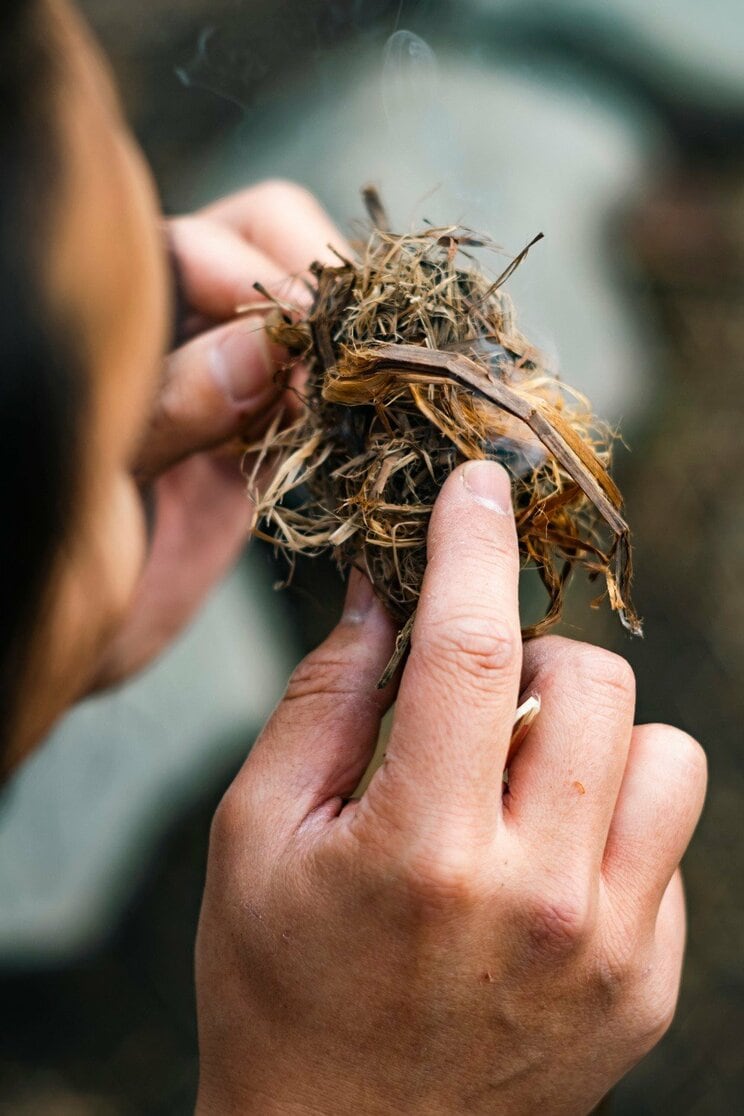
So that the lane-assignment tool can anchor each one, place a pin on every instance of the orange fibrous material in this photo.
(415, 365)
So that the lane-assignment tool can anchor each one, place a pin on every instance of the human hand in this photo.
(444, 945)
(218, 389)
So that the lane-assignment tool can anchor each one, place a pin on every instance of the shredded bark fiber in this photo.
(414, 365)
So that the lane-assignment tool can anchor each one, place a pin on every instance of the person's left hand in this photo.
(218, 389)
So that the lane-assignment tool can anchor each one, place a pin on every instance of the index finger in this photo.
(217, 269)
(283, 220)
(459, 690)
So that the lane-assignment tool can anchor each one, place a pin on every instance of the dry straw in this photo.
(414, 365)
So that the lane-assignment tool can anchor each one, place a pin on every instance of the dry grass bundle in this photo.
(414, 366)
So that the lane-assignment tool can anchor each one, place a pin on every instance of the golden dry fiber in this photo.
(414, 365)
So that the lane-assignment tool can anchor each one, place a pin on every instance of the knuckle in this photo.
(322, 672)
(183, 223)
(557, 927)
(654, 1016)
(287, 192)
(470, 645)
(629, 984)
(229, 820)
(602, 670)
(190, 394)
(187, 230)
(681, 759)
(547, 651)
(690, 757)
(441, 880)
(696, 758)
(614, 970)
(168, 414)
(610, 979)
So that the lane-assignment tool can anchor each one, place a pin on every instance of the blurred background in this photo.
(616, 128)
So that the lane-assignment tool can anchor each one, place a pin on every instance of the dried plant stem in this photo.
(415, 365)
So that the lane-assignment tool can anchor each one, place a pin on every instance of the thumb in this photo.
(323, 733)
(214, 388)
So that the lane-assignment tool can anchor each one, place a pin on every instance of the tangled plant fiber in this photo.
(414, 365)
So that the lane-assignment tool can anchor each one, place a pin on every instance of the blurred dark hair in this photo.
(41, 388)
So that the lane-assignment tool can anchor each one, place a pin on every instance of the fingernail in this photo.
(242, 361)
(489, 483)
(360, 597)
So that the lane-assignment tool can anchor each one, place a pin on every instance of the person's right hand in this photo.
(441, 945)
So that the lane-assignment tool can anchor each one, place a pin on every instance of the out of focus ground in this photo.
(621, 136)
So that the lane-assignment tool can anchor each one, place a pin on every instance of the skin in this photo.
(441, 945)
(438, 946)
(113, 605)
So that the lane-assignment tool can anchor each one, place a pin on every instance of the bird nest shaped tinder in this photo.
(413, 365)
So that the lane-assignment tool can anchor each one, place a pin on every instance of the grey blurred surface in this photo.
(451, 139)
(80, 821)
(685, 40)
